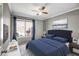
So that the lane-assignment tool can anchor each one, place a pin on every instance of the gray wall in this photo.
(6, 16)
(38, 28)
(11, 28)
(0, 26)
(0, 23)
(73, 21)
(7, 21)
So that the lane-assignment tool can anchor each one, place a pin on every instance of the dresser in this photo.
(15, 52)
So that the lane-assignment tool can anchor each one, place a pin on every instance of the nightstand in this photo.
(73, 46)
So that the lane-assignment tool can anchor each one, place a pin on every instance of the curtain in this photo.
(14, 28)
(33, 30)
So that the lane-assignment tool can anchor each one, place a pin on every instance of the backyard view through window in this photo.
(23, 28)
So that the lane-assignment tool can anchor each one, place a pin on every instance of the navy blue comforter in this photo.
(48, 47)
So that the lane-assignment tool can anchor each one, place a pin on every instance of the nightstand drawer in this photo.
(74, 45)
(76, 50)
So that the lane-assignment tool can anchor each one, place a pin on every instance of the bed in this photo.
(53, 45)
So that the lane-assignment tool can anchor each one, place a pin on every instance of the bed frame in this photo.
(34, 46)
(62, 33)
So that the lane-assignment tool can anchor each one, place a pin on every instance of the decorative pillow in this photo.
(49, 36)
(61, 39)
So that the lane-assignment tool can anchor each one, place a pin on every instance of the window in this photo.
(28, 29)
(20, 28)
(60, 24)
(23, 28)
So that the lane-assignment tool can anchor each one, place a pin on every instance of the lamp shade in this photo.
(75, 35)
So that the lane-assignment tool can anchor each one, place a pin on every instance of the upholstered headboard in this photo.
(62, 33)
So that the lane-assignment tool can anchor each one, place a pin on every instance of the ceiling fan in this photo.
(41, 10)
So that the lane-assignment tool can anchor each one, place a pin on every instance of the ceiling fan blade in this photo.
(45, 12)
(43, 8)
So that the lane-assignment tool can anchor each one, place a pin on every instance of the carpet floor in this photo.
(24, 51)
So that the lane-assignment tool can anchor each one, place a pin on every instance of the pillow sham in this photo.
(49, 36)
(61, 39)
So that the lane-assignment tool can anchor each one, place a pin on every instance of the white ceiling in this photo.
(54, 9)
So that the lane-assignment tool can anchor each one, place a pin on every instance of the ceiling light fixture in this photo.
(41, 10)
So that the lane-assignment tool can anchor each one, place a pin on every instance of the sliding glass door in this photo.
(23, 28)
